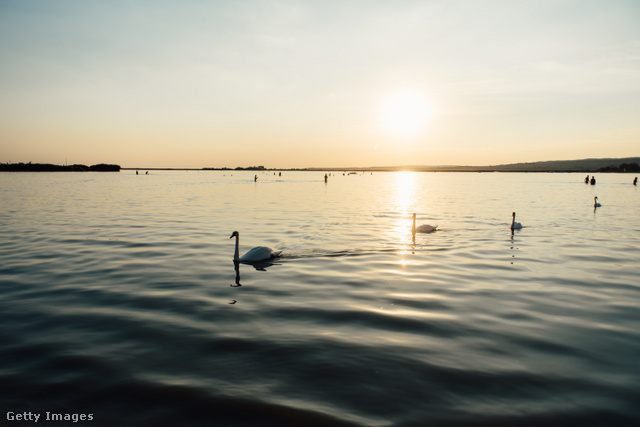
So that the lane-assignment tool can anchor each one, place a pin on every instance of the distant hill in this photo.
(629, 164)
(584, 165)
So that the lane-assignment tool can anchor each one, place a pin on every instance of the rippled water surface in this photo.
(119, 298)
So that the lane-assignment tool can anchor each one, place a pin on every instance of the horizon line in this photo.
(533, 164)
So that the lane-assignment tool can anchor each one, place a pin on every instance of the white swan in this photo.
(595, 202)
(515, 225)
(424, 228)
(259, 253)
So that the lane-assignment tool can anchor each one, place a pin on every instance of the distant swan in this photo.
(595, 202)
(515, 225)
(259, 253)
(424, 228)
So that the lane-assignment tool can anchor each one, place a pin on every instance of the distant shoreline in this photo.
(605, 165)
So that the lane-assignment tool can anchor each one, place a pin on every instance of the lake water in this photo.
(119, 299)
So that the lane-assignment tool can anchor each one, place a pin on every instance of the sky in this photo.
(295, 84)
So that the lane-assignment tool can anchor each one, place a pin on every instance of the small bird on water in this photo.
(259, 253)
(424, 228)
(515, 225)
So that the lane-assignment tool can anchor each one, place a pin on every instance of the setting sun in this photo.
(405, 113)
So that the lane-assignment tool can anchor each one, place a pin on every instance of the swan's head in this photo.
(234, 234)
(513, 214)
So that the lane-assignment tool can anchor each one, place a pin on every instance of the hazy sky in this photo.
(318, 83)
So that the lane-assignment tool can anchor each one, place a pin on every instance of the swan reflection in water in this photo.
(259, 265)
(236, 265)
(513, 245)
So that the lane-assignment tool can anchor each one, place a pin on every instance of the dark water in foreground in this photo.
(119, 299)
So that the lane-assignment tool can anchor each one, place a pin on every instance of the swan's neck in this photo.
(413, 229)
(236, 255)
(513, 220)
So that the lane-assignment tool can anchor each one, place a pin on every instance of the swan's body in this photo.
(259, 253)
(595, 202)
(424, 228)
(515, 225)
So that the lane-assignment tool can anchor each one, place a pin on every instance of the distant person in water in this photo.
(255, 178)
(325, 177)
(136, 172)
(146, 173)
(593, 180)
(586, 180)
(635, 181)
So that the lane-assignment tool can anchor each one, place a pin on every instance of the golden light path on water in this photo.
(403, 203)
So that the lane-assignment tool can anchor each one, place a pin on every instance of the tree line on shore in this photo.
(46, 167)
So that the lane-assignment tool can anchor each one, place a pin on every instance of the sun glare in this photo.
(405, 113)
